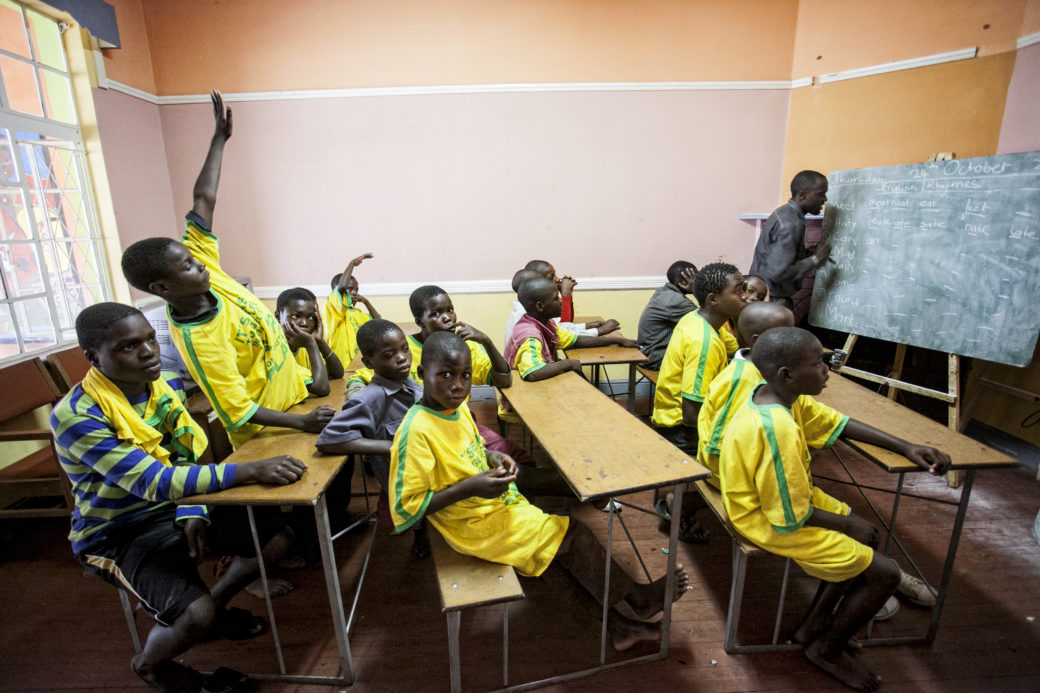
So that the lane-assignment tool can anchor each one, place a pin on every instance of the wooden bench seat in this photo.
(466, 582)
(742, 551)
(648, 374)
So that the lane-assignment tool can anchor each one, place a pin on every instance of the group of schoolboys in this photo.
(750, 417)
(129, 447)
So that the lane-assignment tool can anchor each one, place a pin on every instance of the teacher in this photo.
(781, 257)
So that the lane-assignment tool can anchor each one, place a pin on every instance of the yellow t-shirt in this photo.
(238, 356)
(481, 373)
(342, 320)
(730, 340)
(769, 495)
(434, 450)
(529, 355)
(696, 353)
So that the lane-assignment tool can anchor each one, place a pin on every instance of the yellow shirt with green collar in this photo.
(480, 363)
(434, 450)
(529, 353)
(696, 353)
(342, 320)
(768, 491)
(238, 355)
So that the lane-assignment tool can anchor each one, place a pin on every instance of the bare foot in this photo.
(647, 600)
(279, 587)
(845, 669)
(626, 633)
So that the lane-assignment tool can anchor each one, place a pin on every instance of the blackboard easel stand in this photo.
(893, 383)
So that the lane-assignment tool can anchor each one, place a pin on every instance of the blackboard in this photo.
(943, 255)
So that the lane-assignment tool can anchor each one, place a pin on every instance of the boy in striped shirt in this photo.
(129, 448)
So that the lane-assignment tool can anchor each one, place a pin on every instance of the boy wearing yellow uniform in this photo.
(770, 498)
(440, 470)
(343, 317)
(231, 343)
(297, 313)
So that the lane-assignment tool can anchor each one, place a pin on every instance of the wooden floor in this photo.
(62, 631)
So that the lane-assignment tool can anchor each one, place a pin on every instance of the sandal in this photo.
(236, 624)
(225, 680)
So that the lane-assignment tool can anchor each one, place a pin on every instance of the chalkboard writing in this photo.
(943, 255)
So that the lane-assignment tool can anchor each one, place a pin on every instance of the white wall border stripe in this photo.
(1028, 40)
(131, 91)
(924, 61)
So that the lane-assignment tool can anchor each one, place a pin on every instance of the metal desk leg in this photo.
(632, 388)
(951, 554)
(267, 591)
(736, 598)
(453, 651)
(669, 581)
(606, 585)
(328, 560)
(131, 621)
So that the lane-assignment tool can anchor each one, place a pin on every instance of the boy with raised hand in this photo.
(297, 311)
(665, 308)
(696, 353)
(532, 346)
(441, 471)
(770, 499)
(342, 314)
(232, 344)
(129, 447)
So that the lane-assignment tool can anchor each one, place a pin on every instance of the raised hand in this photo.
(567, 284)
(357, 261)
(221, 115)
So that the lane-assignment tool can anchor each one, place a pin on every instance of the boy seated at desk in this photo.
(821, 425)
(343, 316)
(129, 447)
(297, 312)
(541, 268)
(770, 498)
(441, 471)
(232, 344)
(696, 353)
(665, 308)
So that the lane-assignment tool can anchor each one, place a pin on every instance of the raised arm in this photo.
(344, 279)
(204, 196)
(925, 457)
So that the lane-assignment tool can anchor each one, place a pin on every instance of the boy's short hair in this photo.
(441, 344)
(534, 290)
(335, 280)
(711, 279)
(522, 276)
(677, 268)
(93, 322)
(144, 262)
(297, 293)
(539, 266)
(805, 181)
(371, 333)
(760, 316)
(780, 347)
(417, 301)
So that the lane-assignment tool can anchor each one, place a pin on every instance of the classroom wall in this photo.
(1020, 129)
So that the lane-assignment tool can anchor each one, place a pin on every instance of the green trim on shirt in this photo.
(778, 470)
(837, 433)
(402, 457)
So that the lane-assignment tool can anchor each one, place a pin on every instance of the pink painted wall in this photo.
(466, 187)
(135, 158)
(1020, 130)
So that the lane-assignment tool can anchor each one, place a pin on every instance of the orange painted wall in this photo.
(268, 45)
(834, 36)
(131, 64)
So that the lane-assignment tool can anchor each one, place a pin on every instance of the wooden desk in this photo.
(603, 451)
(609, 355)
(308, 490)
(869, 407)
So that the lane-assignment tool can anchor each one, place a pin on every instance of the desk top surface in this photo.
(597, 445)
(271, 442)
(605, 354)
(880, 412)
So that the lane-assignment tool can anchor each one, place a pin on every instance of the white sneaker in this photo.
(612, 505)
(915, 590)
(887, 611)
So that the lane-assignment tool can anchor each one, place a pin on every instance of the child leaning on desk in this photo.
(232, 344)
(297, 311)
(441, 471)
(129, 447)
(343, 316)
(770, 499)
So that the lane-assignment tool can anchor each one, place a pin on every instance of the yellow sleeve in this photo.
(362, 375)
(529, 357)
(202, 244)
(820, 424)
(412, 462)
(481, 364)
(781, 478)
(824, 501)
(567, 339)
(703, 359)
(730, 341)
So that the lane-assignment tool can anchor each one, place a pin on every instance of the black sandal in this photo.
(236, 624)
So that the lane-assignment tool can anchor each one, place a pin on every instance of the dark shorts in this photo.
(148, 555)
(682, 437)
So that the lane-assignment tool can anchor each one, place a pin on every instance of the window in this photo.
(51, 264)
